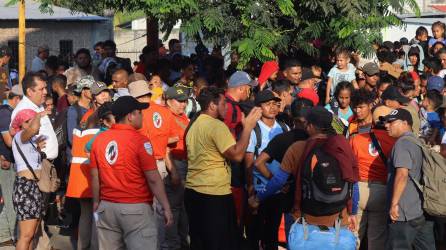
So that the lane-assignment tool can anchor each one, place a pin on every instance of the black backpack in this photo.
(324, 192)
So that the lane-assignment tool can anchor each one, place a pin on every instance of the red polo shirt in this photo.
(179, 125)
(121, 155)
(157, 126)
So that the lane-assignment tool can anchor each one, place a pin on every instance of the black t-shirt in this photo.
(278, 146)
(5, 120)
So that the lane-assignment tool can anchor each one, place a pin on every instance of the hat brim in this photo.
(100, 91)
(180, 98)
(142, 94)
(277, 99)
(142, 106)
(387, 119)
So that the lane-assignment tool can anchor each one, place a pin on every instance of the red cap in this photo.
(309, 94)
(268, 68)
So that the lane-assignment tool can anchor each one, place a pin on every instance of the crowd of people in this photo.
(180, 153)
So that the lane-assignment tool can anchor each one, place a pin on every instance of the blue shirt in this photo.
(432, 41)
(267, 134)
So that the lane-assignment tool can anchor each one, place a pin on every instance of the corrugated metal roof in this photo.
(425, 21)
(33, 13)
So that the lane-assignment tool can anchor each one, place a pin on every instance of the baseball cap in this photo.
(5, 51)
(435, 83)
(97, 87)
(240, 78)
(309, 94)
(381, 111)
(125, 105)
(139, 88)
(398, 114)
(370, 69)
(320, 117)
(393, 93)
(265, 96)
(16, 90)
(85, 82)
(177, 93)
(307, 73)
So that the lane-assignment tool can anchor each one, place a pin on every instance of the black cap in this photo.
(394, 94)
(320, 117)
(104, 110)
(177, 93)
(307, 73)
(398, 114)
(125, 105)
(265, 96)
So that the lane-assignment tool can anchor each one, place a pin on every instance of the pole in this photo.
(22, 35)
(152, 32)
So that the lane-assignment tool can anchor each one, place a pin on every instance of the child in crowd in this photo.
(340, 105)
(342, 71)
(430, 119)
(438, 29)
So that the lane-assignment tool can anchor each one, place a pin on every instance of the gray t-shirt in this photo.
(406, 154)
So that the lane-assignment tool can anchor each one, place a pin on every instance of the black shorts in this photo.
(27, 199)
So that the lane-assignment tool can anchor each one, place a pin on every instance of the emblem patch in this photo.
(157, 120)
(372, 150)
(111, 152)
(148, 148)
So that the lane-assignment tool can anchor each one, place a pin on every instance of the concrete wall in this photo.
(83, 35)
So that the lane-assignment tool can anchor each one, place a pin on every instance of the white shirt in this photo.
(443, 141)
(30, 152)
(46, 128)
(37, 64)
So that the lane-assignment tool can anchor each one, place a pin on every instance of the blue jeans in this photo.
(417, 234)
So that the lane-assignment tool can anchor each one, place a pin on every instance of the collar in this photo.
(123, 127)
(26, 100)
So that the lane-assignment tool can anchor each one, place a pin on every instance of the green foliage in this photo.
(259, 28)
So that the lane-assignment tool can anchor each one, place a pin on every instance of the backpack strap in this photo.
(258, 133)
(25, 160)
(283, 126)
(234, 110)
(378, 147)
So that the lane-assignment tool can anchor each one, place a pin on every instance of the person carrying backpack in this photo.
(409, 227)
(326, 173)
(266, 220)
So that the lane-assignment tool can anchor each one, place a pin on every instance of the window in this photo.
(66, 50)
(14, 46)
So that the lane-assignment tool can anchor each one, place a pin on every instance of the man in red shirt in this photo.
(124, 181)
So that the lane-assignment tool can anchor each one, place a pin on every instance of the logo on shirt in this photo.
(111, 152)
(372, 150)
(157, 120)
(148, 148)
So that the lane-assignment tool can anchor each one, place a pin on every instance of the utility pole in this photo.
(22, 35)
(152, 31)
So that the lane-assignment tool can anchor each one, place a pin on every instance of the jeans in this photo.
(7, 215)
(417, 234)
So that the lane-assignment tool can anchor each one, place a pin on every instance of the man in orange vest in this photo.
(125, 180)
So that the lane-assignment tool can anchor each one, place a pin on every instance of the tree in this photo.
(259, 28)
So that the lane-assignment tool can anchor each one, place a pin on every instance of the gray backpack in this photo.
(433, 180)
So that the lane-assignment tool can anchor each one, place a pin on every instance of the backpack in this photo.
(324, 191)
(60, 126)
(433, 180)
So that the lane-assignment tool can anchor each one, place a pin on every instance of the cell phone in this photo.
(323, 228)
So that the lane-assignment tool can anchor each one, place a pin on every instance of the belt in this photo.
(374, 182)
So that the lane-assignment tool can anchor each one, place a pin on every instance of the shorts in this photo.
(27, 199)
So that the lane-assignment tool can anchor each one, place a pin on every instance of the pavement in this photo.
(59, 239)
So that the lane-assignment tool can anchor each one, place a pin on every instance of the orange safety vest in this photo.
(79, 183)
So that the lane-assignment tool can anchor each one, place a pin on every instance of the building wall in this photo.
(83, 35)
